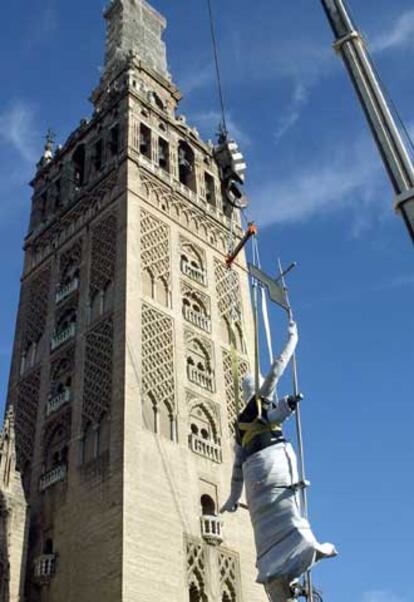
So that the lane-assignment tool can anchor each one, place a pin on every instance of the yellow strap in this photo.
(252, 429)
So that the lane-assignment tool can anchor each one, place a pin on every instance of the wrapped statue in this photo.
(266, 464)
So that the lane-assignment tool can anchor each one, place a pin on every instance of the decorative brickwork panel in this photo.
(229, 576)
(70, 260)
(37, 307)
(196, 568)
(26, 414)
(155, 247)
(97, 395)
(228, 292)
(158, 356)
(103, 254)
(234, 390)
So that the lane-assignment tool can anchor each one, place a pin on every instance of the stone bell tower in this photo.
(125, 379)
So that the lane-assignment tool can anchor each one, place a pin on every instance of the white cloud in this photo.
(199, 78)
(335, 179)
(17, 131)
(400, 34)
(381, 596)
(293, 112)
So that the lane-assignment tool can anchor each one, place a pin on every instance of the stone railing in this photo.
(211, 529)
(44, 567)
(197, 318)
(56, 402)
(64, 291)
(52, 477)
(196, 274)
(62, 336)
(204, 447)
(200, 378)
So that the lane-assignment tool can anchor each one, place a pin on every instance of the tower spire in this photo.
(135, 27)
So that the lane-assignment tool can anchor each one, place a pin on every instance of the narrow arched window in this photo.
(145, 142)
(208, 506)
(186, 165)
(79, 161)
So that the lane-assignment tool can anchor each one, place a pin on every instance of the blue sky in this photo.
(318, 191)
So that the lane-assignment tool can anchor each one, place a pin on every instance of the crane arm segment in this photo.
(350, 44)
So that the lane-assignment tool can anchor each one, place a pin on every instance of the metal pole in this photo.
(299, 432)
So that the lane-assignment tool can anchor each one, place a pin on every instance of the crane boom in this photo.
(350, 44)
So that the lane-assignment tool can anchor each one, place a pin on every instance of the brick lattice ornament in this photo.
(26, 414)
(228, 292)
(158, 356)
(103, 254)
(196, 566)
(229, 576)
(155, 247)
(97, 396)
(234, 402)
(37, 307)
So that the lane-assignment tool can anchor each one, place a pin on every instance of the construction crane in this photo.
(350, 44)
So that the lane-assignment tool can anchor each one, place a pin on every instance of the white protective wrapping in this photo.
(285, 544)
(286, 547)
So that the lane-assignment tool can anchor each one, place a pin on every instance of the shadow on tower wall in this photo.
(4, 552)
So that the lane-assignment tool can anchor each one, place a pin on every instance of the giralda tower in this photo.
(123, 384)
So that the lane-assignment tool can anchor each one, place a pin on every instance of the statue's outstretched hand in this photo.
(230, 506)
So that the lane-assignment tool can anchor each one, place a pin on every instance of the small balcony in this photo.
(44, 567)
(60, 337)
(197, 318)
(200, 378)
(204, 447)
(66, 290)
(195, 273)
(211, 529)
(50, 478)
(55, 403)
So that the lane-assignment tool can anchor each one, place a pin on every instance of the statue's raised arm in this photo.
(268, 387)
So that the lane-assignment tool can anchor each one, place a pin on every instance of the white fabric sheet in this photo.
(285, 544)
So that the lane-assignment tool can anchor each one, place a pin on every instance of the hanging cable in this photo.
(223, 131)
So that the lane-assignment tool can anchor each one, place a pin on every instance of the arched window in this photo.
(199, 369)
(192, 264)
(165, 422)
(150, 413)
(48, 546)
(70, 273)
(186, 165)
(145, 141)
(148, 283)
(57, 450)
(78, 160)
(195, 311)
(163, 154)
(210, 189)
(66, 319)
(162, 292)
(208, 506)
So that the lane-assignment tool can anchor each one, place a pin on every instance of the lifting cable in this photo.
(234, 311)
(223, 131)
